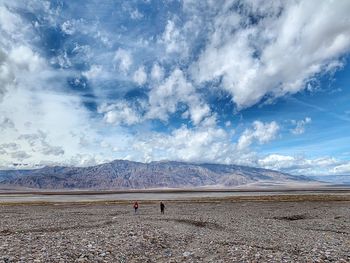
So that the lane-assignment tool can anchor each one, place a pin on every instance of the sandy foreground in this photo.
(220, 230)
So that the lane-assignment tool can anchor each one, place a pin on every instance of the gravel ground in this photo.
(187, 232)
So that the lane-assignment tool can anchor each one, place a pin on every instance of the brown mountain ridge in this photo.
(123, 174)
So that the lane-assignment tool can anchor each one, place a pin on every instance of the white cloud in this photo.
(9, 22)
(300, 125)
(278, 162)
(20, 155)
(10, 146)
(135, 14)
(52, 150)
(157, 72)
(86, 160)
(23, 58)
(165, 98)
(290, 43)
(187, 145)
(21, 64)
(173, 39)
(261, 132)
(49, 125)
(6, 75)
(32, 111)
(342, 169)
(47, 138)
(68, 27)
(140, 76)
(38, 143)
(62, 60)
(199, 112)
(124, 59)
(6, 123)
(120, 112)
(287, 45)
(302, 165)
(74, 26)
(94, 72)
(26, 82)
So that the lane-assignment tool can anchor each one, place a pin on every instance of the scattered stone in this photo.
(186, 254)
(190, 232)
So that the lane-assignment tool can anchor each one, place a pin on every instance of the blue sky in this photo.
(259, 83)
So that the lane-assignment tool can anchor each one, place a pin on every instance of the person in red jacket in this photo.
(136, 206)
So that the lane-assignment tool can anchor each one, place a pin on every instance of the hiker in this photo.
(162, 207)
(136, 206)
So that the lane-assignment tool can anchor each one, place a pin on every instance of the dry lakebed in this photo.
(248, 228)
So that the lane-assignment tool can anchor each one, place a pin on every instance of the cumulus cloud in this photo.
(303, 165)
(12, 27)
(47, 138)
(9, 21)
(289, 44)
(23, 72)
(20, 63)
(61, 60)
(23, 58)
(20, 155)
(188, 145)
(6, 123)
(84, 160)
(36, 113)
(253, 50)
(198, 112)
(10, 146)
(140, 76)
(342, 168)
(34, 138)
(68, 27)
(120, 112)
(135, 14)
(280, 162)
(261, 132)
(94, 72)
(52, 150)
(157, 72)
(38, 143)
(300, 125)
(165, 98)
(173, 39)
(123, 59)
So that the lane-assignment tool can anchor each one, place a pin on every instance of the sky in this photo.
(257, 83)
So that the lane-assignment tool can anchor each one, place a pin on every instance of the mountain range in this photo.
(123, 174)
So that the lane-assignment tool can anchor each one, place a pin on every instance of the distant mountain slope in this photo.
(9, 174)
(121, 174)
(334, 179)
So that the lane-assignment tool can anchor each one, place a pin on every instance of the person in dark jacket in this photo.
(136, 206)
(162, 207)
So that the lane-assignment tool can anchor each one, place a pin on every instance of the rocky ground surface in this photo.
(187, 232)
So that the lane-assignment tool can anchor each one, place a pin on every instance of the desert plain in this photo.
(269, 228)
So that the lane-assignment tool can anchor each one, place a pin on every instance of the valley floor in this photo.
(213, 231)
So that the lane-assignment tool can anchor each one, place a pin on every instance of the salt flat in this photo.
(203, 230)
(255, 192)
